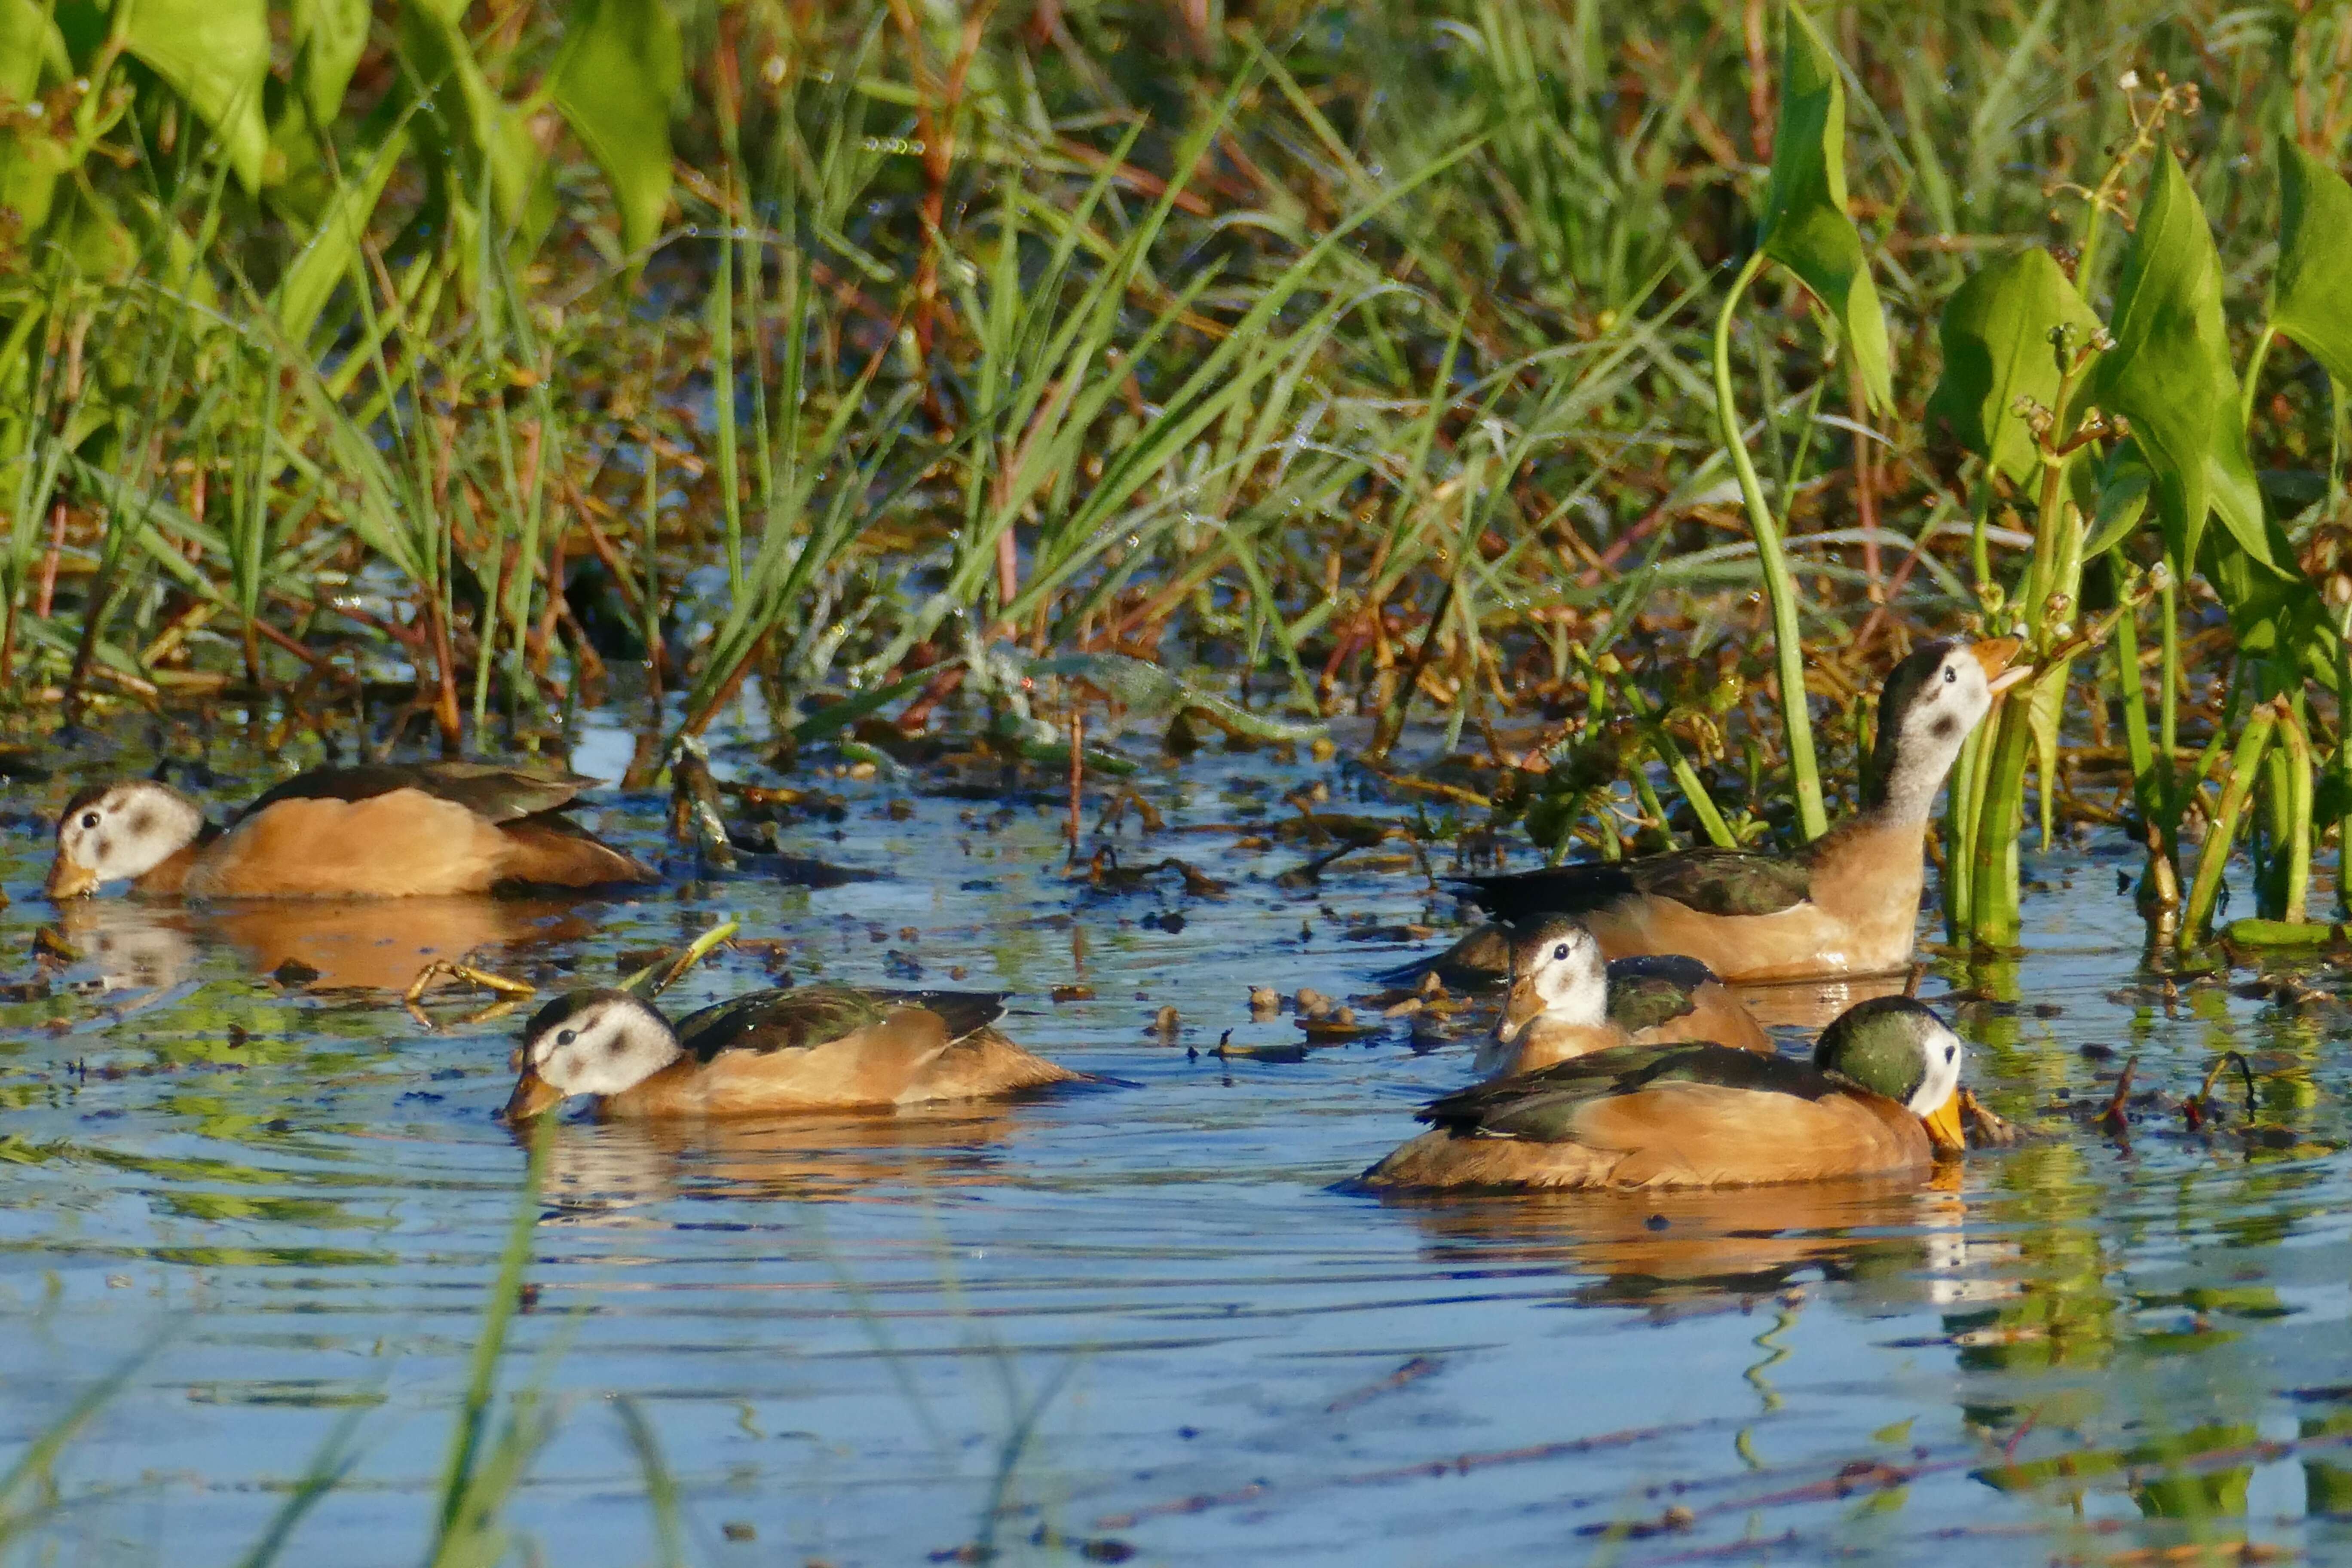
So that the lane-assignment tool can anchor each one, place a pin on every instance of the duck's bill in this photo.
(1521, 1005)
(1994, 654)
(66, 880)
(534, 1096)
(1944, 1128)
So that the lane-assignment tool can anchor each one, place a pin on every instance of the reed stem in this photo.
(1779, 584)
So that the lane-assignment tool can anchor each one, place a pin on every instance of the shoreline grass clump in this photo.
(1617, 394)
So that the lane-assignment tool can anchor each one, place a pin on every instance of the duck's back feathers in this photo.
(826, 1047)
(1711, 881)
(801, 1017)
(1662, 998)
(1643, 1116)
(493, 792)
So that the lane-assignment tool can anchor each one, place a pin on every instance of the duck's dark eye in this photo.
(89, 819)
(1560, 952)
(566, 1036)
(1951, 673)
(1950, 1051)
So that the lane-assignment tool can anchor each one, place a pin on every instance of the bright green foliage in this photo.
(621, 67)
(214, 53)
(2169, 372)
(2311, 293)
(1806, 227)
(1997, 348)
(329, 38)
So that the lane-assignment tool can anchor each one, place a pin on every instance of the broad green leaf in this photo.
(29, 41)
(489, 130)
(2276, 616)
(1806, 228)
(2123, 500)
(333, 250)
(620, 69)
(1996, 335)
(31, 163)
(329, 35)
(2170, 374)
(215, 54)
(2311, 293)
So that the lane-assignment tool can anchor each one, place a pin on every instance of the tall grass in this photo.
(1377, 357)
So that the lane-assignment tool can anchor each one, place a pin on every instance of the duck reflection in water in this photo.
(342, 944)
(1879, 1244)
(603, 1172)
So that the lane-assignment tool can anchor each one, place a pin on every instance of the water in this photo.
(1133, 1317)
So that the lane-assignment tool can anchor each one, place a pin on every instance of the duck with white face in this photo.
(1565, 1000)
(818, 1048)
(391, 830)
(121, 833)
(1846, 904)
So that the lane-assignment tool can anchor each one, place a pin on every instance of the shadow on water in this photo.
(1137, 1317)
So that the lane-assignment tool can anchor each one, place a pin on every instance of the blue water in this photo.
(1133, 1316)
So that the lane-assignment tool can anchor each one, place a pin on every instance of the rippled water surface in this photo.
(1133, 1318)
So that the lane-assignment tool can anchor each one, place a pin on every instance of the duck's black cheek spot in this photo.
(141, 824)
(616, 1047)
(103, 847)
(1945, 727)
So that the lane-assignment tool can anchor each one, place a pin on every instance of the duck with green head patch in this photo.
(1880, 1097)
(816, 1047)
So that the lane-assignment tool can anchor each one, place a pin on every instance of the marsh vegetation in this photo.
(1168, 481)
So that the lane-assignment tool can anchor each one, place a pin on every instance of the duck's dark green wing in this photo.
(802, 1016)
(1652, 989)
(1711, 881)
(492, 791)
(1542, 1107)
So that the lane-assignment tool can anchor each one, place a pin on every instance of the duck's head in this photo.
(1929, 704)
(1557, 974)
(1897, 1047)
(589, 1042)
(109, 833)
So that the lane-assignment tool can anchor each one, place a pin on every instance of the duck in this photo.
(377, 831)
(1847, 903)
(1881, 1097)
(1567, 1001)
(816, 1047)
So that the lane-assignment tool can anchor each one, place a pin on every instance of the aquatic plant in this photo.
(1450, 365)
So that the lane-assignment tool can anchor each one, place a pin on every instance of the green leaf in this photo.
(329, 36)
(333, 250)
(30, 40)
(2311, 293)
(490, 131)
(2123, 500)
(1806, 228)
(620, 69)
(215, 54)
(2169, 375)
(1996, 336)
